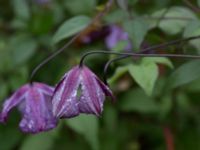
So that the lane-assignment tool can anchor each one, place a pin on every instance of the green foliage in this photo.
(89, 6)
(193, 29)
(175, 24)
(145, 73)
(22, 49)
(21, 9)
(71, 27)
(136, 100)
(86, 125)
(137, 29)
(42, 141)
(152, 93)
(184, 74)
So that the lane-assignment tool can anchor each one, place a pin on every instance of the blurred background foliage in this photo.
(157, 103)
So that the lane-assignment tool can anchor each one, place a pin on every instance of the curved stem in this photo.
(145, 51)
(51, 56)
(98, 16)
(137, 55)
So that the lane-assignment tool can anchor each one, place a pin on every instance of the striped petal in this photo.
(93, 96)
(65, 103)
(37, 113)
(13, 101)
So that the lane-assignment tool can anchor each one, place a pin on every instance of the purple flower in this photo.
(34, 103)
(79, 91)
(117, 35)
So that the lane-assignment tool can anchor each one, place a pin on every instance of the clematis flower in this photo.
(117, 35)
(79, 91)
(35, 105)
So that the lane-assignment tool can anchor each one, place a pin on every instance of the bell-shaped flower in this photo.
(35, 104)
(79, 91)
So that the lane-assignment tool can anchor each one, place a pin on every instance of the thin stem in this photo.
(98, 17)
(138, 55)
(145, 51)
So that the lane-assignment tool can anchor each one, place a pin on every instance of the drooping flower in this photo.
(34, 103)
(79, 91)
(117, 35)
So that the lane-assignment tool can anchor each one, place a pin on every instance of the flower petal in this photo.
(92, 97)
(37, 113)
(44, 88)
(65, 103)
(105, 89)
(13, 101)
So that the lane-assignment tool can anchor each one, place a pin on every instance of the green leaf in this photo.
(137, 30)
(116, 16)
(137, 100)
(193, 29)
(145, 74)
(87, 125)
(174, 26)
(71, 27)
(159, 60)
(193, 86)
(186, 73)
(42, 141)
(21, 9)
(118, 73)
(76, 6)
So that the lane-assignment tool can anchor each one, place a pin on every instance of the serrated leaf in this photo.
(87, 125)
(137, 30)
(174, 26)
(71, 27)
(137, 100)
(145, 74)
(186, 73)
